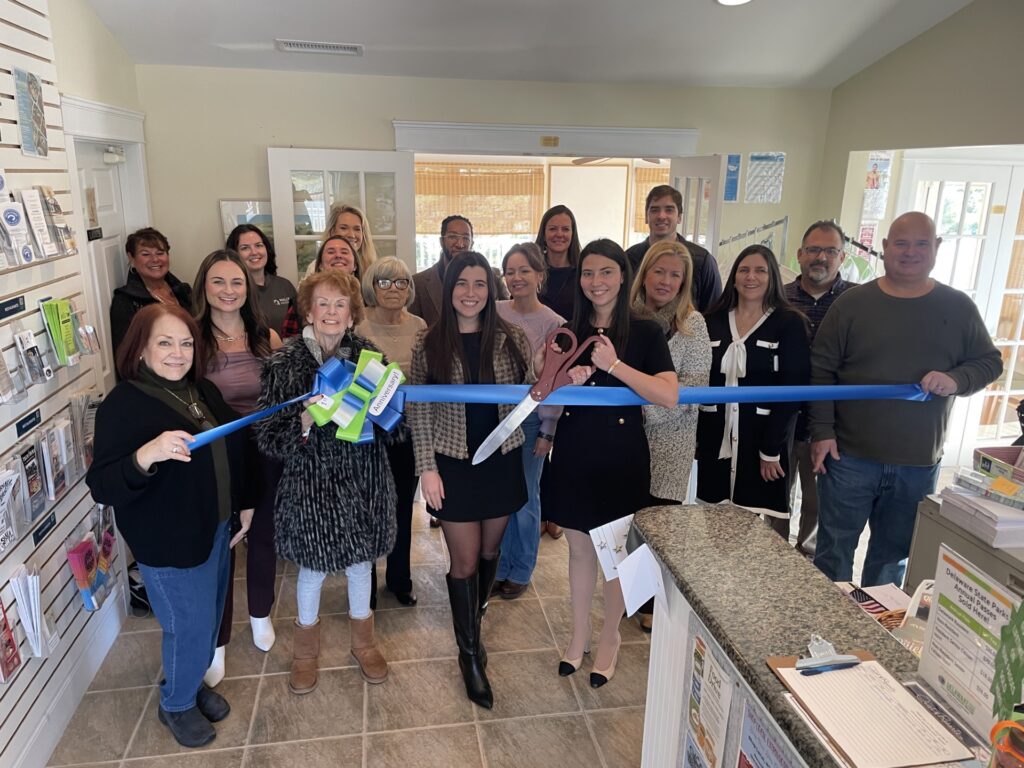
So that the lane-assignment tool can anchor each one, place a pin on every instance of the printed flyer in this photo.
(708, 708)
(761, 744)
(958, 661)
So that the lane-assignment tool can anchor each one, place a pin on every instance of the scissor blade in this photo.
(504, 429)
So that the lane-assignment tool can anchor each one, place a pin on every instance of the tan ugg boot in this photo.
(372, 664)
(305, 658)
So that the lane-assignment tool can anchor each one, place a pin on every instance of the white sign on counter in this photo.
(958, 661)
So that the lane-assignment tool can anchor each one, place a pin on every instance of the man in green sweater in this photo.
(879, 458)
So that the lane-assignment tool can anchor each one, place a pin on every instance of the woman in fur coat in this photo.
(335, 506)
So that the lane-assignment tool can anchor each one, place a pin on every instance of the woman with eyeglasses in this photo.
(387, 292)
(757, 339)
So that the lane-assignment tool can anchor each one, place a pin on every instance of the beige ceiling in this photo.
(767, 43)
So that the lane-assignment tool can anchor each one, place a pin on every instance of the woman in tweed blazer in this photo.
(469, 344)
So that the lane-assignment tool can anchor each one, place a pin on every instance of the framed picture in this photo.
(257, 212)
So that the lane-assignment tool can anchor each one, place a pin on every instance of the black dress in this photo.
(601, 464)
(778, 354)
(494, 488)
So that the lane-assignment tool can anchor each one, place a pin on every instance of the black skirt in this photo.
(494, 488)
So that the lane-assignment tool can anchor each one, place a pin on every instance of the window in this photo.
(505, 202)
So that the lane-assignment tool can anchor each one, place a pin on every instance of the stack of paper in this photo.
(997, 524)
(41, 639)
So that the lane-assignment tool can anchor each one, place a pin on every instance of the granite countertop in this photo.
(759, 597)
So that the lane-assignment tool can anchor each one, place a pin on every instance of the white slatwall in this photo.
(37, 703)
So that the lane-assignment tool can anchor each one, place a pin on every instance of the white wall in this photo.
(91, 64)
(207, 130)
(958, 84)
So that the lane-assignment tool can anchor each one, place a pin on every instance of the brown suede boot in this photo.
(305, 657)
(372, 664)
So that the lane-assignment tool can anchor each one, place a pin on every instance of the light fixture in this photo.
(732, 2)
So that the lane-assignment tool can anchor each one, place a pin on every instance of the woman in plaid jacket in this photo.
(469, 344)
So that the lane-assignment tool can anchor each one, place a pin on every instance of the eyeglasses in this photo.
(401, 283)
(452, 237)
(814, 250)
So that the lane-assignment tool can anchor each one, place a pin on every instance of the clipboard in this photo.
(876, 702)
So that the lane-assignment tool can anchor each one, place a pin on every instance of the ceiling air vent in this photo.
(312, 46)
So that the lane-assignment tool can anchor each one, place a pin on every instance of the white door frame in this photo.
(548, 140)
(92, 121)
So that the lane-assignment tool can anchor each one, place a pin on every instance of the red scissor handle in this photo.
(558, 361)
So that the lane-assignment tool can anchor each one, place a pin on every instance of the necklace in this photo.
(193, 407)
(218, 337)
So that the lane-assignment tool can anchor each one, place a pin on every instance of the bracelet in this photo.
(546, 436)
(612, 366)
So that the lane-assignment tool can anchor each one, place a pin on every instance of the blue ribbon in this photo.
(510, 394)
(335, 375)
(332, 377)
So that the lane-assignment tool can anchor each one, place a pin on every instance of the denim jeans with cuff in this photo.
(188, 603)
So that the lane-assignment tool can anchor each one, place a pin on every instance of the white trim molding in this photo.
(86, 119)
(553, 140)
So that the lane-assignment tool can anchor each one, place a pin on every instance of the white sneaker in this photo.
(262, 633)
(216, 671)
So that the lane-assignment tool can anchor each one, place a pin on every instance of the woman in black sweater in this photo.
(757, 340)
(173, 506)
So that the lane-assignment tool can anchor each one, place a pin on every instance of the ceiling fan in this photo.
(602, 160)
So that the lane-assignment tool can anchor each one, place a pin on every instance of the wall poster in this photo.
(765, 171)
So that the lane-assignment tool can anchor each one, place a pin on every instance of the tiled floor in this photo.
(419, 717)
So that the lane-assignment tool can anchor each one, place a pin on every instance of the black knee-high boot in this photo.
(464, 597)
(486, 571)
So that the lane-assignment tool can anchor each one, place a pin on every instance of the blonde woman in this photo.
(663, 289)
(349, 222)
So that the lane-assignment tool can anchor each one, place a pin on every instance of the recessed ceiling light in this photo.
(732, 2)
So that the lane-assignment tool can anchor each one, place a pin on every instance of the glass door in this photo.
(999, 424)
(306, 183)
(968, 203)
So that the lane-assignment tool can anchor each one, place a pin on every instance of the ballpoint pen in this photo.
(829, 667)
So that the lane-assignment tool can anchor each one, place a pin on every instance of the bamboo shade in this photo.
(499, 199)
(646, 180)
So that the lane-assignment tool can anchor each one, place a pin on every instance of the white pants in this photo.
(307, 592)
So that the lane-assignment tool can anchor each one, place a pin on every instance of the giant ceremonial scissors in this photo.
(557, 362)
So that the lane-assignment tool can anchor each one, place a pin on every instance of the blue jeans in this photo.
(855, 491)
(522, 534)
(188, 603)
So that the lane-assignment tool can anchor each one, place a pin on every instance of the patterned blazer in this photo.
(441, 427)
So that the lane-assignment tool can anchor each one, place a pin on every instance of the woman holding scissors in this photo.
(600, 468)
(469, 344)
